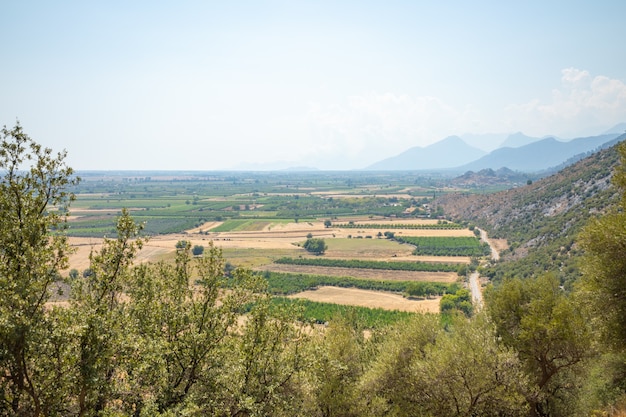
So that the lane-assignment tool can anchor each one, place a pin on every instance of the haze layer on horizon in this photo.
(197, 85)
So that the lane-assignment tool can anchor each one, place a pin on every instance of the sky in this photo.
(219, 85)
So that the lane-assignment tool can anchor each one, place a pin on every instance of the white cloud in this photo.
(379, 125)
(582, 105)
(370, 127)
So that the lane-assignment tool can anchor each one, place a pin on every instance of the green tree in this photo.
(197, 250)
(537, 319)
(33, 201)
(604, 266)
(327, 223)
(461, 301)
(315, 245)
(416, 289)
(103, 325)
(183, 329)
(342, 356)
(183, 244)
(424, 370)
(603, 292)
(266, 365)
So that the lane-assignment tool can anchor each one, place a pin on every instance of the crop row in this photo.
(446, 246)
(432, 226)
(358, 263)
(315, 312)
(285, 284)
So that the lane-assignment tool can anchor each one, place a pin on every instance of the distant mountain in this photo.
(619, 129)
(537, 156)
(447, 153)
(485, 141)
(517, 140)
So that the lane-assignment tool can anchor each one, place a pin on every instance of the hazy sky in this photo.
(208, 85)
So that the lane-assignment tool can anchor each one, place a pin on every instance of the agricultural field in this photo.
(371, 228)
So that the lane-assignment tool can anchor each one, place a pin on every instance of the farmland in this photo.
(372, 225)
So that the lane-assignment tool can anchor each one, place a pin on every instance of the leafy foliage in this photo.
(422, 370)
(461, 301)
(315, 245)
(538, 320)
(197, 250)
(30, 258)
(604, 241)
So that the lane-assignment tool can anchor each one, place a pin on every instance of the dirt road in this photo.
(477, 295)
(495, 255)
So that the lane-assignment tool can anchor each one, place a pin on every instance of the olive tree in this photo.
(315, 245)
(33, 202)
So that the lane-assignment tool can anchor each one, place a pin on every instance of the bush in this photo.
(182, 244)
(315, 245)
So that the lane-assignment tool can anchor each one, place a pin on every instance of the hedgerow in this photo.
(359, 263)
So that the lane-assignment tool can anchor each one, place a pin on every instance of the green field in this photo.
(447, 246)
(174, 202)
(286, 284)
(370, 318)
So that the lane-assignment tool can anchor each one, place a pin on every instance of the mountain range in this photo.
(447, 153)
(518, 152)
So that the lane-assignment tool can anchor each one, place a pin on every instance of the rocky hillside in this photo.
(541, 220)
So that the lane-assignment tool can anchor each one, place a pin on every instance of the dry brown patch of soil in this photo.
(362, 273)
(152, 250)
(370, 299)
(204, 227)
(499, 244)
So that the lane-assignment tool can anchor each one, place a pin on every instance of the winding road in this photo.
(495, 255)
(477, 295)
(474, 278)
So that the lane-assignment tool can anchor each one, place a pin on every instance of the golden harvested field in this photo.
(371, 299)
(257, 248)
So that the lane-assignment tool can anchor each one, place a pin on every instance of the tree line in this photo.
(410, 226)
(360, 263)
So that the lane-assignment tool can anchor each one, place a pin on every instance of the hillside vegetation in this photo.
(541, 220)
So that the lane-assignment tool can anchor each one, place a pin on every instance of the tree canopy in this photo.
(315, 245)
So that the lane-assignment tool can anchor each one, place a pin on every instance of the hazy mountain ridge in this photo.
(538, 156)
(541, 220)
(518, 152)
(517, 140)
(447, 153)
